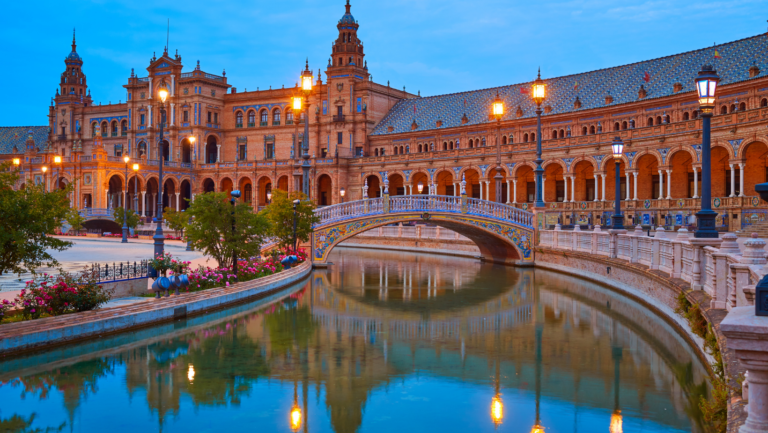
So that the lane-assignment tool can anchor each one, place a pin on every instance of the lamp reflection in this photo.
(191, 373)
(616, 422)
(295, 417)
(497, 410)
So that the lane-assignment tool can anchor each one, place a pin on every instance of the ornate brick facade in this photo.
(361, 131)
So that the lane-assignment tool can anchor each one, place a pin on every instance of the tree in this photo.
(280, 215)
(211, 228)
(75, 220)
(177, 221)
(133, 218)
(27, 218)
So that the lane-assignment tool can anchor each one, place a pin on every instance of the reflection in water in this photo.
(378, 342)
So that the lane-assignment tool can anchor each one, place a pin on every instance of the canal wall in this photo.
(54, 331)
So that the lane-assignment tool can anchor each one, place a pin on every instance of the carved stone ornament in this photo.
(339, 86)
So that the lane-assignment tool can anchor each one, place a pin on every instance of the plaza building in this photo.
(363, 134)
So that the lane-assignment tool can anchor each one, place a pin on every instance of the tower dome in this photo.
(347, 18)
(73, 56)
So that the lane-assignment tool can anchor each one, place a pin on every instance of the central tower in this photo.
(348, 48)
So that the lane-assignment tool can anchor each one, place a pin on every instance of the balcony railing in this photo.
(289, 122)
(339, 118)
(264, 124)
(251, 124)
(238, 125)
(276, 123)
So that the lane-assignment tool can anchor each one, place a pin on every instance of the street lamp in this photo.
(306, 87)
(16, 162)
(342, 192)
(136, 188)
(539, 92)
(295, 203)
(45, 178)
(498, 112)
(618, 150)
(159, 237)
(269, 197)
(125, 202)
(57, 162)
(235, 195)
(192, 140)
(420, 187)
(706, 86)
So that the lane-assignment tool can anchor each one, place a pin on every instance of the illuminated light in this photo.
(45, 169)
(295, 418)
(618, 147)
(616, 422)
(57, 159)
(497, 410)
(269, 196)
(306, 83)
(191, 139)
(342, 192)
(706, 87)
(16, 161)
(420, 187)
(135, 167)
(297, 102)
(162, 91)
(539, 90)
(537, 429)
(191, 373)
(498, 107)
(126, 159)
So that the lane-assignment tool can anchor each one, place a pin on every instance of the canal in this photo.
(379, 342)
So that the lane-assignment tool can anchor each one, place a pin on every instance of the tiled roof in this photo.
(621, 82)
(11, 136)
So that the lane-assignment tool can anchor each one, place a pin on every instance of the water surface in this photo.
(379, 342)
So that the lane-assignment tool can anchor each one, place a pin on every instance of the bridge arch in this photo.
(503, 234)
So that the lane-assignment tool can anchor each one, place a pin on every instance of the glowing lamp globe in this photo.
(498, 107)
(618, 147)
(162, 91)
(706, 87)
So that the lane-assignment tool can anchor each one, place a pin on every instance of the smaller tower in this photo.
(73, 85)
(348, 48)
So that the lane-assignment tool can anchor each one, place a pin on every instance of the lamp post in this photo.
(45, 178)
(539, 91)
(498, 112)
(306, 87)
(618, 149)
(57, 163)
(235, 195)
(159, 237)
(342, 192)
(295, 203)
(706, 86)
(136, 187)
(125, 203)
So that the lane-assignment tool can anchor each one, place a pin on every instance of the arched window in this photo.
(264, 117)
(686, 116)
(695, 114)
(103, 129)
(743, 106)
(114, 128)
(764, 102)
(658, 120)
(616, 126)
(376, 152)
(624, 125)
(445, 145)
(401, 150)
(584, 130)
(420, 149)
(239, 119)
(395, 151)
(251, 119)
(525, 138)
(276, 117)
(93, 129)
(124, 127)
(724, 110)
(650, 121)
(562, 133)
(511, 140)
(483, 141)
(503, 139)
(450, 145)
(289, 117)
(471, 143)
(554, 135)
(407, 149)
(592, 129)
(733, 108)
(533, 136)
(432, 147)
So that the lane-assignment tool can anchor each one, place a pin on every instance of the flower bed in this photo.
(207, 278)
(56, 295)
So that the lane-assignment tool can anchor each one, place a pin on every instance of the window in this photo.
(696, 114)
(723, 110)
(104, 129)
(376, 152)
(624, 125)
(118, 150)
(382, 152)
(276, 117)
(288, 117)
(743, 106)
(584, 131)
(251, 119)
(124, 126)
(650, 121)
(445, 145)
(686, 116)
(733, 108)
(554, 135)
(142, 119)
(420, 149)
(764, 102)
(658, 120)
(562, 133)
(239, 120)
(408, 149)
(114, 129)
(186, 115)
(93, 130)
(472, 143)
(242, 152)
(592, 129)
(339, 111)
(525, 139)
(533, 138)
(323, 153)
(395, 151)
(401, 150)
(270, 150)
(264, 117)
(616, 126)
(209, 117)
(215, 117)
(340, 138)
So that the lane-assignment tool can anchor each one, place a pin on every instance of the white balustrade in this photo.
(644, 250)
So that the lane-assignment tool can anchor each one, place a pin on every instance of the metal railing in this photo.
(96, 212)
(120, 271)
(425, 203)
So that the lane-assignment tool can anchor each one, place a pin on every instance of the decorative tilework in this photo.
(735, 144)
(457, 171)
(407, 174)
(622, 82)
(16, 136)
(631, 158)
(483, 168)
(663, 153)
(568, 162)
(697, 149)
(431, 173)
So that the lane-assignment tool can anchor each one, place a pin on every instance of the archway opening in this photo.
(115, 193)
(755, 169)
(209, 185)
(324, 190)
(373, 186)
(585, 190)
(492, 196)
(226, 185)
(444, 182)
(211, 150)
(186, 194)
(396, 185)
(681, 163)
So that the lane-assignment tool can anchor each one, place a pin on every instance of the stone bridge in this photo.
(503, 233)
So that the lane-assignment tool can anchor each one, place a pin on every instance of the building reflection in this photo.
(373, 318)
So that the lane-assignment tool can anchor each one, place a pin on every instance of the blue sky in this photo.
(435, 46)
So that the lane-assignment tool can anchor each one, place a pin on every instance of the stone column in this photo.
(603, 195)
(661, 184)
(741, 179)
(149, 94)
(514, 190)
(669, 183)
(573, 189)
(733, 182)
(481, 190)
(629, 196)
(177, 201)
(635, 186)
(487, 190)
(143, 204)
(597, 189)
(106, 199)
(218, 153)
(747, 335)
(565, 199)
(173, 111)
(508, 192)
(695, 182)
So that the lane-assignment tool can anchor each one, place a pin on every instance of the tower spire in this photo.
(348, 6)
(74, 45)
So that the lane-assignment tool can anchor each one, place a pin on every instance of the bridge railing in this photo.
(93, 212)
(425, 203)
